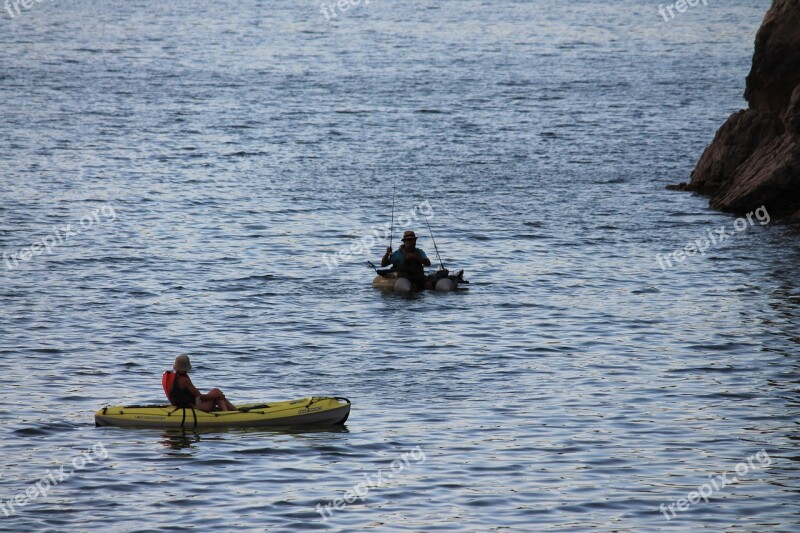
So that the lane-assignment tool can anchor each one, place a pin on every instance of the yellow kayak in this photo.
(322, 411)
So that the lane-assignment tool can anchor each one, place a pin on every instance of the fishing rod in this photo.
(391, 228)
(434, 241)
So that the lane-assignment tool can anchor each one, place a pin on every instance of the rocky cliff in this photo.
(754, 158)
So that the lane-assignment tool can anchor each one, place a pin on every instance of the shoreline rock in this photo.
(754, 159)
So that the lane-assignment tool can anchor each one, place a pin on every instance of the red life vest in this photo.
(176, 396)
(167, 379)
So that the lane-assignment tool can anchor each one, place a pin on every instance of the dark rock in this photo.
(792, 116)
(775, 73)
(682, 186)
(737, 140)
(770, 177)
(754, 159)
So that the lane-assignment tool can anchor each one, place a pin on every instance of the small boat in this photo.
(443, 281)
(317, 411)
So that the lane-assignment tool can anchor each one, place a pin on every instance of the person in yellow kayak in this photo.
(409, 261)
(182, 393)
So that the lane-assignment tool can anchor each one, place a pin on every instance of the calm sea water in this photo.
(209, 157)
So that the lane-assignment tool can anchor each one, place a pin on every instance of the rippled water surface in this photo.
(227, 149)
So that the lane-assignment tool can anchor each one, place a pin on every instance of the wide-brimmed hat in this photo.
(182, 363)
(408, 235)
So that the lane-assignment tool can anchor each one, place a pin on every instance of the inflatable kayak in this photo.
(323, 411)
(441, 280)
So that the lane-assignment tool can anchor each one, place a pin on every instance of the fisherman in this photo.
(409, 262)
(182, 393)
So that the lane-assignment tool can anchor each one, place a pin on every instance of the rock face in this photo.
(754, 159)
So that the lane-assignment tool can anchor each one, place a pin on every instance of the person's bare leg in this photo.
(220, 401)
(206, 405)
(223, 403)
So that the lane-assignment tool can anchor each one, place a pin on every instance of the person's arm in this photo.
(187, 384)
(419, 255)
(424, 259)
(386, 256)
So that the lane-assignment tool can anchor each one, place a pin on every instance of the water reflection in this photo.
(179, 440)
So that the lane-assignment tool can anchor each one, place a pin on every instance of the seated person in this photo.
(409, 261)
(182, 393)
